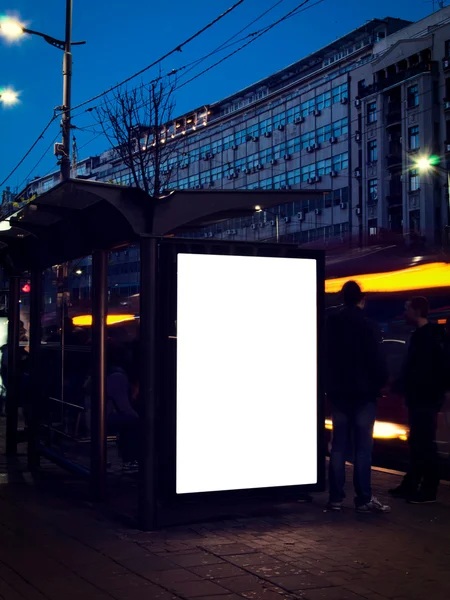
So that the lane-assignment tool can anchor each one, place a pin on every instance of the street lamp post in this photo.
(12, 29)
(259, 209)
(67, 95)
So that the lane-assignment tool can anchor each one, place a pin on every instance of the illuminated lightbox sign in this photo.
(246, 373)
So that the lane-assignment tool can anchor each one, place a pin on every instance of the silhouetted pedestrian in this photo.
(356, 372)
(423, 384)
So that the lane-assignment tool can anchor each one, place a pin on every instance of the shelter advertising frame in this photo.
(172, 431)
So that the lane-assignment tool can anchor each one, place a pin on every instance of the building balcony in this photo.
(394, 160)
(393, 117)
(397, 78)
(394, 200)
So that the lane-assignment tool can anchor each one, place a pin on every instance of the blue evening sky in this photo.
(123, 37)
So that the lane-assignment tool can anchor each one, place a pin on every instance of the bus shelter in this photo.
(215, 318)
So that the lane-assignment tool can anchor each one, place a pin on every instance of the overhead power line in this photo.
(43, 155)
(178, 48)
(228, 43)
(159, 60)
(225, 45)
(25, 156)
(299, 8)
(254, 36)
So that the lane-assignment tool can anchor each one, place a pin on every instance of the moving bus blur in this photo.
(390, 276)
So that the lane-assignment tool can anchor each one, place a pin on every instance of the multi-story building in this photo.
(351, 118)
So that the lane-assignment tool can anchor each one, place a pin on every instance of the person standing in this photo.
(356, 372)
(423, 384)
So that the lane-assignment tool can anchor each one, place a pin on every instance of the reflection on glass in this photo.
(66, 362)
(67, 357)
(122, 403)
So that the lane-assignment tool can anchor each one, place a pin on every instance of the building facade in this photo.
(351, 119)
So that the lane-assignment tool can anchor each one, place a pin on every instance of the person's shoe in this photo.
(422, 497)
(374, 506)
(399, 492)
(131, 467)
(334, 506)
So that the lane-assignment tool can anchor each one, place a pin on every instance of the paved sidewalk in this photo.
(53, 548)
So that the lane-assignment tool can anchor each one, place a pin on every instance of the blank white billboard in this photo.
(246, 373)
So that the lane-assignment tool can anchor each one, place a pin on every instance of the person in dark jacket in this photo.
(356, 372)
(121, 414)
(423, 384)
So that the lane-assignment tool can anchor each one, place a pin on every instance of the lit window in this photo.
(413, 137)
(372, 112)
(308, 171)
(372, 153)
(308, 107)
(340, 127)
(414, 180)
(293, 114)
(413, 96)
(372, 191)
(340, 162)
(323, 101)
(340, 92)
(293, 177)
(279, 120)
(265, 126)
(308, 139)
(324, 167)
(323, 134)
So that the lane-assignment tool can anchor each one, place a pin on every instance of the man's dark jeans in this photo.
(352, 423)
(423, 472)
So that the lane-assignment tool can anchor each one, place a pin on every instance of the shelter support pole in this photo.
(35, 399)
(12, 388)
(98, 396)
(147, 383)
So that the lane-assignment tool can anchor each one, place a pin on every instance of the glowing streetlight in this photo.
(11, 29)
(9, 97)
(423, 164)
(426, 163)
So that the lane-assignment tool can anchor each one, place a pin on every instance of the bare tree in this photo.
(138, 125)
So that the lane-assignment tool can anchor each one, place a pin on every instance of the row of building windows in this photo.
(337, 93)
(241, 102)
(337, 163)
(252, 133)
(302, 236)
(316, 234)
(263, 127)
(288, 209)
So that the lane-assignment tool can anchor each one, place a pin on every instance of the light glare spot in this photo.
(9, 97)
(11, 28)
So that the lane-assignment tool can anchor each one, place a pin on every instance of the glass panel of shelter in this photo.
(122, 403)
(66, 360)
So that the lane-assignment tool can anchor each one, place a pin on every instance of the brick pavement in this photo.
(53, 548)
